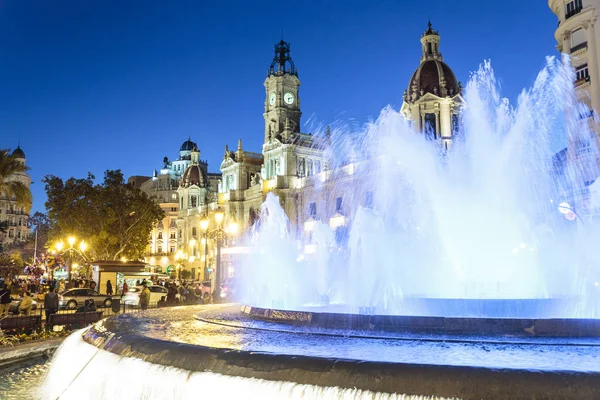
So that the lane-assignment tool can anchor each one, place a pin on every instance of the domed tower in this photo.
(433, 99)
(186, 148)
(194, 185)
(13, 213)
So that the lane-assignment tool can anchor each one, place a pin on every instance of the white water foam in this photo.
(80, 370)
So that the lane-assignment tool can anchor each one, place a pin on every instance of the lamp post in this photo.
(71, 240)
(218, 234)
(204, 228)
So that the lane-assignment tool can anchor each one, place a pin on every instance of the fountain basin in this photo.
(434, 323)
(223, 341)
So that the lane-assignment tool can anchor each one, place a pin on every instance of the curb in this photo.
(12, 355)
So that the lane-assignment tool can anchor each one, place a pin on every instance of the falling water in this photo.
(477, 223)
(80, 369)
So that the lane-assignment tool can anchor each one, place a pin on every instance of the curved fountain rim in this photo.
(528, 327)
(448, 381)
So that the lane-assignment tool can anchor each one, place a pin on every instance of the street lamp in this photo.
(71, 240)
(218, 234)
(204, 228)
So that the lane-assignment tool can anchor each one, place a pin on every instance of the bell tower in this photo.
(282, 103)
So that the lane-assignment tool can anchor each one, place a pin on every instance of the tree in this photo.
(10, 168)
(113, 218)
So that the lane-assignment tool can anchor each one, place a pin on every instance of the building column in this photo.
(445, 119)
(593, 65)
(566, 44)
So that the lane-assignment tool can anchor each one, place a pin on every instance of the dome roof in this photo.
(194, 175)
(18, 153)
(188, 145)
(433, 76)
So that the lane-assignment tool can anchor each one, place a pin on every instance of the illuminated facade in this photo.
(182, 188)
(293, 165)
(578, 36)
(16, 216)
(433, 99)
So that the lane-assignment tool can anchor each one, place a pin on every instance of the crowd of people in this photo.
(47, 290)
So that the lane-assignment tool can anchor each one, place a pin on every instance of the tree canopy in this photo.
(112, 217)
(10, 168)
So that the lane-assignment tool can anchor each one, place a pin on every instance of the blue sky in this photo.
(96, 85)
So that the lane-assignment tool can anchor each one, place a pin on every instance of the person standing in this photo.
(51, 303)
(4, 300)
(109, 289)
(26, 304)
(145, 297)
(125, 288)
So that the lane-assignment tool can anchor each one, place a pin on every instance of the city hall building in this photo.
(291, 164)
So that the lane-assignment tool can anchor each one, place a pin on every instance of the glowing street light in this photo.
(218, 234)
(59, 246)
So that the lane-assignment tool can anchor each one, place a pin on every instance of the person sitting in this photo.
(162, 302)
(26, 304)
(207, 298)
(88, 306)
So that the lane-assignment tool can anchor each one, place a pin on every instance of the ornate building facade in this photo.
(182, 188)
(292, 164)
(16, 216)
(433, 99)
(578, 36)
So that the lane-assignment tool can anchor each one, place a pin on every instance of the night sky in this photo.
(95, 85)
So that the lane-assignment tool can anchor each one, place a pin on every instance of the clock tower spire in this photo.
(282, 98)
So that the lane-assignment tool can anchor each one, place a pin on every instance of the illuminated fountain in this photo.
(460, 278)
(449, 234)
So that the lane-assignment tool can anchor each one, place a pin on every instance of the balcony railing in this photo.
(581, 81)
(579, 47)
(574, 11)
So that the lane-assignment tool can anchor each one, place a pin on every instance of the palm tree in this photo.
(10, 169)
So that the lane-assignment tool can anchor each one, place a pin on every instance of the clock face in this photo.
(288, 98)
(272, 99)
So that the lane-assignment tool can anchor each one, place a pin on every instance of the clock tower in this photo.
(282, 104)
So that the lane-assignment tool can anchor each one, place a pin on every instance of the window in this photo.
(572, 8)
(317, 166)
(338, 205)
(194, 231)
(582, 74)
(430, 130)
(301, 167)
(160, 235)
(172, 249)
(313, 209)
(309, 168)
(173, 235)
(181, 203)
(455, 125)
(173, 209)
(194, 200)
(578, 40)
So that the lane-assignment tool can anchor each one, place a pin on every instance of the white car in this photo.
(132, 297)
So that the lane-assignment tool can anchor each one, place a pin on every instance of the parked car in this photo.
(73, 298)
(16, 301)
(228, 289)
(206, 287)
(132, 297)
